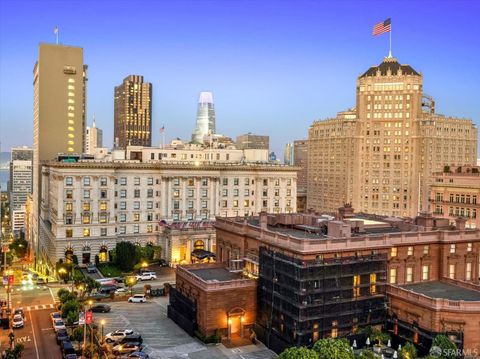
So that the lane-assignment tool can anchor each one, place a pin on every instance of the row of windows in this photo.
(409, 273)
(426, 249)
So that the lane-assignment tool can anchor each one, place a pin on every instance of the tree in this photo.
(378, 336)
(408, 351)
(367, 354)
(448, 349)
(298, 353)
(65, 295)
(70, 310)
(333, 349)
(14, 353)
(125, 256)
(19, 247)
(91, 284)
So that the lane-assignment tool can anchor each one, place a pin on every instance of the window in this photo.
(246, 192)
(149, 228)
(246, 203)
(410, 251)
(86, 181)
(409, 278)
(136, 217)
(225, 181)
(149, 217)
(176, 204)
(103, 206)
(68, 194)
(204, 204)
(289, 182)
(123, 181)
(334, 329)
(136, 228)
(136, 205)
(451, 271)
(190, 204)
(86, 193)
(149, 205)
(265, 192)
(205, 182)
(68, 181)
(225, 192)
(289, 192)
(176, 193)
(176, 181)
(123, 217)
(86, 232)
(247, 181)
(122, 230)
(236, 181)
(150, 181)
(136, 193)
(103, 181)
(265, 182)
(264, 203)
(373, 283)
(452, 248)
(235, 203)
(103, 218)
(224, 204)
(103, 193)
(136, 181)
(426, 249)
(425, 272)
(204, 192)
(235, 192)
(394, 252)
(356, 286)
(191, 193)
(189, 216)
(86, 206)
(69, 233)
(103, 232)
(86, 219)
(123, 193)
(468, 271)
(393, 275)
(123, 206)
(68, 206)
(277, 182)
(469, 247)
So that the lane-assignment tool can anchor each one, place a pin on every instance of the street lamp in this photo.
(102, 322)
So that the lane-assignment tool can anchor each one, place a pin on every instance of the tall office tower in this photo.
(250, 141)
(380, 155)
(288, 154)
(20, 185)
(133, 112)
(205, 117)
(59, 93)
(93, 138)
(300, 159)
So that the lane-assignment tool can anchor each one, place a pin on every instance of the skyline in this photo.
(270, 56)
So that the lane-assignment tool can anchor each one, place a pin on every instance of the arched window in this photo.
(199, 245)
(103, 254)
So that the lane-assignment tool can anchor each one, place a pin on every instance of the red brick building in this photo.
(423, 273)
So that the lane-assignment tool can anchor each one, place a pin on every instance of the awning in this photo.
(202, 254)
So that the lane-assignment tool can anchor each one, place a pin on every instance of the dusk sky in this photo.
(273, 66)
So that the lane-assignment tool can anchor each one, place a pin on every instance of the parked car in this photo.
(58, 324)
(137, 298)
(67, 349)
(132, 338)
(98, 295)
(140, 355)
(19, 311)
(91, 268)
(17, 321)
(163, 263)
(125, 348)
(101, 308)
(146, 276)
(107, 289)
(40, 281)
(55, 316)
(61, 336)
(117, 335)
(121, 291)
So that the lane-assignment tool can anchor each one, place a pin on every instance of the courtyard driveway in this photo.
(164, 339)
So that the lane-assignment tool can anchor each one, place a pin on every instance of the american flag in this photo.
(382, 27)
(162, 129)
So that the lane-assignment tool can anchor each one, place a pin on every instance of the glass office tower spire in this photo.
(205, 117)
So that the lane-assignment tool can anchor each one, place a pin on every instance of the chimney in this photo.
(263, 220)
(460, 223)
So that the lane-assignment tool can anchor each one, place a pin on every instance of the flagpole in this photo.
(390, 50)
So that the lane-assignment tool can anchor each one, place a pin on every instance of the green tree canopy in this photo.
(125, 257)
(19, 247)
(70, 310)
(298, 353)
(408, 351)
(448, 348)
(367, 354)
(333, 349)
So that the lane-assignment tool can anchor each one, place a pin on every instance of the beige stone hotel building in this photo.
(90, 205)
(380, 154)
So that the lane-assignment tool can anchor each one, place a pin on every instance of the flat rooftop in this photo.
(437, 289)
(215, 274)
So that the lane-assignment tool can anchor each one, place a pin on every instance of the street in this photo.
(37, 335)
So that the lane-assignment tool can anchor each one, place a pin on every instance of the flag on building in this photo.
(162, 129)
(382, 27)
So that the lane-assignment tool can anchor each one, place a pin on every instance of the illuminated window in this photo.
(149, 228)
(468, 271)
(235, 203)
(394, 252)
(409, 274)
(71, 100)
(86, 219)
(334, 329)
(103, 206)
(410, 251)
(71, 87)
(356, 286)
(69, 233)
(86, 206)
(393, 275)
(425, 272)
(199, 245)
(469, 247)
(86, 232)
(72, 81)
(246, 203)
(68, 206)
(451, 271)
(136, 217)
(176, 193)
(426, 249)
(103, 218)
(452, 248)
(373, 283)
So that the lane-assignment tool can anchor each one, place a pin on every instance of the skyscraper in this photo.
(59, 93)
(133, 112)
(380, 155)
(205, 117)
(252, 141)
(20, 185)
(93, 138)
(288, 154)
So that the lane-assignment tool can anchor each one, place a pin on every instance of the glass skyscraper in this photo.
(205, 117)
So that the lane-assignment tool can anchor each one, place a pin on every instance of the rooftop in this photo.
(437, 289)
(390, 64)
(215, 274)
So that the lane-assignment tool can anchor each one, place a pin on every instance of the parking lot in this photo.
(162, 338)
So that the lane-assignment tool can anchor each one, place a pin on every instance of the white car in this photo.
(117, 335)
(121, 291)
(17, 321)
(146, 276)
(137, 298)
(58, 324)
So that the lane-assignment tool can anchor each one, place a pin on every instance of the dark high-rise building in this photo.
(133, 112)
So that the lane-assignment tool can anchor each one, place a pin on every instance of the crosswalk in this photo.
(40, 307)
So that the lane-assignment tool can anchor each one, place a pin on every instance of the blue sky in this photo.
(273, 66)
